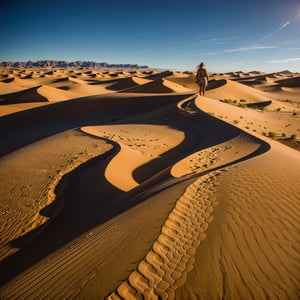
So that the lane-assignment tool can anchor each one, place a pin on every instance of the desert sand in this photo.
(126, 184)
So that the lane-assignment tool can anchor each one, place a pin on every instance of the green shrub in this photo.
(229, 101)
(293, 136)
(272, 134)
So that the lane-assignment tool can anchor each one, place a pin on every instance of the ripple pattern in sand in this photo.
(165, 266)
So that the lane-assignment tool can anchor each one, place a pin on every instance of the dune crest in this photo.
(139, 144)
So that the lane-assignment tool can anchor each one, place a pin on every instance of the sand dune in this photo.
(158, 86)
(135, 152)
(28, 95)
(234, 90)
(127, 83)
(290, 82)
(157, 75)
(188, 81)
(53, 94)
(128, 185)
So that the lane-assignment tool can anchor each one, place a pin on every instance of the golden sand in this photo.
(129, 185)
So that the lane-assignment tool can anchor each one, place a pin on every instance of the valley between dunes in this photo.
(126, 184)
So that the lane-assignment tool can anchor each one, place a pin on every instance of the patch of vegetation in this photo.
(272, 135)
(242, 105)
(228, 101)
(235, 121)
(293, 136)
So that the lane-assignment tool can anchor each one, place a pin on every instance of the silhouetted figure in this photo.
(202, 78)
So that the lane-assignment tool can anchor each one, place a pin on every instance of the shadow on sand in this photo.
(85, 199)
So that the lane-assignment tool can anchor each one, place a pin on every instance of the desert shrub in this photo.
(229, 101)
(278, 109)
(272, 134)
(235, 121)
(283, 134)
(294, 113)
(242, 105)
(243, 100)
(293, 136)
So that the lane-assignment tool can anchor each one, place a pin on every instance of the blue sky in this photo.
(227, 35)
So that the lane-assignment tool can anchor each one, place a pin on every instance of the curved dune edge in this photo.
(165, 267)
(228, 89)
(215, 156)
(53, 94)
(242, 203)
(140, 143)
(23, 96)
(31, 180)
(160, 85)
(253, 246)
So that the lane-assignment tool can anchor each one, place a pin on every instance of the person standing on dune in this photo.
(202, 78)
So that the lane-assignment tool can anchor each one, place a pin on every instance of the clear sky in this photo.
(227, 35)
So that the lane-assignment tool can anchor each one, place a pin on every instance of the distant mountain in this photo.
(64, 64)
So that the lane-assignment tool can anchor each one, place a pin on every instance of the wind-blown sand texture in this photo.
(123, 184)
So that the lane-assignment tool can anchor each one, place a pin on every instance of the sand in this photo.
(124, 184)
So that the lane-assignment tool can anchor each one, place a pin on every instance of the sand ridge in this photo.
(161, 193)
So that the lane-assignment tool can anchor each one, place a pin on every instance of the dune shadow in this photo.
(201, 131)
(74, 212)
(24, 96)
(214, 84)
(259, 104)
(70, 215)
(289, 82)
(22, 128)
(63, 87)
(8, 80)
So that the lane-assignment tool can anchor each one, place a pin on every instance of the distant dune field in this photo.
(126, 184)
